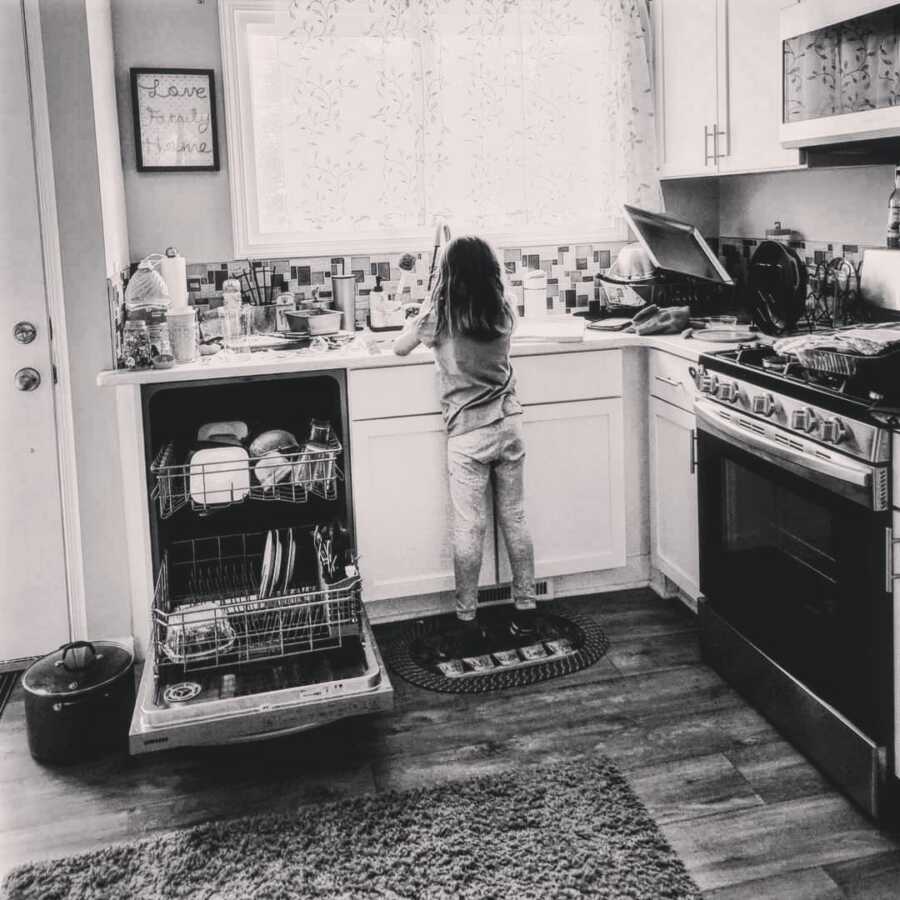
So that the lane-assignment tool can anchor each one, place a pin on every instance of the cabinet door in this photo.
(673, 496)
(750, 89)
(402, 508)
(574, 487)
(685, 85)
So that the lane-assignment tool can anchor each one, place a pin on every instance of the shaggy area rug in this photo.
(568, 830)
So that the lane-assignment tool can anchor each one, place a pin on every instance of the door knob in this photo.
(24, 332)
(28, 379)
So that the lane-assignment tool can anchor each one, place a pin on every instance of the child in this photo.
(467, 324)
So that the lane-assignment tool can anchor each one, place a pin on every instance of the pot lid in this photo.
(77, 666)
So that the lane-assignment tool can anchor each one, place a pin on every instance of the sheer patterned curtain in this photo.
(509, 117)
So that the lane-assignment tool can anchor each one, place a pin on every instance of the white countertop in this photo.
(222, 365)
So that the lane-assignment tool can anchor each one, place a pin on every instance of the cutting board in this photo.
(564, 329)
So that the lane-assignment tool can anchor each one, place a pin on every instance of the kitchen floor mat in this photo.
(569, 829)
(567, 642)
(8, 681)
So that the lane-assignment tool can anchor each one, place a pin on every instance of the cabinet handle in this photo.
(693, 451)
(706, 136)
(670, 381)
(716, 132)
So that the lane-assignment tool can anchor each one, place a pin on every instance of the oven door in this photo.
(794, 555)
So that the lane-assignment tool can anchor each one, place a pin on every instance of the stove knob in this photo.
(804, 420)
(833, 431)
(708, 384)
(727, 392)
(763, 404)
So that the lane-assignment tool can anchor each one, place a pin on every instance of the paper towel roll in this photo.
(174, 273)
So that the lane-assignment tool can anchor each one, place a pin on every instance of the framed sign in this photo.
(174, 120)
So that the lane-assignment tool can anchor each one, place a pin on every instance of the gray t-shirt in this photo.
(476, 379)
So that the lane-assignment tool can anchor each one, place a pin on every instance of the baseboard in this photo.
(635, 574)
(664, 587)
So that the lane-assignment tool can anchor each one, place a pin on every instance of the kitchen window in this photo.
(360, 123)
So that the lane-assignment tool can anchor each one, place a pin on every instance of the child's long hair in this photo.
(469, 297)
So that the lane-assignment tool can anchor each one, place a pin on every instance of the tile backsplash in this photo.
(570, 272)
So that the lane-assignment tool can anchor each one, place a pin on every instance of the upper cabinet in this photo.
(718, 85)
(840, 71)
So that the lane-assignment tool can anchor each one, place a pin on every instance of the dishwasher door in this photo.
(275, 698)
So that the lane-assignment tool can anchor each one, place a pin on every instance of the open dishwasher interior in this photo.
(257, 625)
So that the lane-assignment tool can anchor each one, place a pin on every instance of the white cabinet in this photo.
(673, 495)
(686, 43)
(402, 508)
(574, 487)
(718, 83)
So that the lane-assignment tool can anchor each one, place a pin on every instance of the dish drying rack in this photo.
(207, 487)
(207, 613)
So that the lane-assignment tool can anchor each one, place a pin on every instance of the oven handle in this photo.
(859, 476)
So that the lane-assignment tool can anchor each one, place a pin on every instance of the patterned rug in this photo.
(566, 642)
(570, 830)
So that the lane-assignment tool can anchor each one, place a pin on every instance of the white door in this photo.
(686, 44)
(574, 487)
(34, 614)
(673, 496)
(750, 90)
(402, 506)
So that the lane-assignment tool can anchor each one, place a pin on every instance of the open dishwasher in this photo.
(257, 626)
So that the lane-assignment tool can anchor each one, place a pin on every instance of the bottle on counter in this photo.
(893, 226)
(136, 345)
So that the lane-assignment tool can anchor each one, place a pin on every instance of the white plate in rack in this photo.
(268, 558)
(276, 566)
(290, 560)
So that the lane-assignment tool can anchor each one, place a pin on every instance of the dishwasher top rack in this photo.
(292, 477)
(207, 612)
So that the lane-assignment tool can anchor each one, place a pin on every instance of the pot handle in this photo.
(77, 645)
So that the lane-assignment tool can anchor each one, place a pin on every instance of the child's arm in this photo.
(419, 330)
(408, 339)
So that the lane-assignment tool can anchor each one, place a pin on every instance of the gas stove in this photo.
(823, 413)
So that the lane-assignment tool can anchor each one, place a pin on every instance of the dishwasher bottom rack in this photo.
(209, 610)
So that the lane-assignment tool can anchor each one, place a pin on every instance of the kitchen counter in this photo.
(281, 361)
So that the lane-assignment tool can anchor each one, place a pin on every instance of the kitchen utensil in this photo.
(290, 560)
(324, 322)
(219, 475)
(777, 281)
(274, 439)
(616, 323)
(236, 428)
(344, 289)
(727, 335)
(272, 468)
(297, 321)
(197, 631)
(276, 565)
(284, 304)
(78, 701)
(631, 265)
(268, 559)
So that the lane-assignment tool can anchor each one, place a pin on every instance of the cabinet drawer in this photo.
(562, 377)
(550, 378)
(671, 380)
(394, 391)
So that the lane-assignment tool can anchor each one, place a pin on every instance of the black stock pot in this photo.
(78, 701)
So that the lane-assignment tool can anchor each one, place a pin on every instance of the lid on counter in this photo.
(76, 667)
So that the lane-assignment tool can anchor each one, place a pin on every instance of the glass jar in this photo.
(136, 345)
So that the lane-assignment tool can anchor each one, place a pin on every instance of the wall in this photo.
(695, 200)
(188, 210)
(847, 205)
(74, 119)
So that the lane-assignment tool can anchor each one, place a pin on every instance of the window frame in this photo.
(234, 16)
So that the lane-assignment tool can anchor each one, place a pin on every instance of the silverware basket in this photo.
(207, 487)
(207, 612)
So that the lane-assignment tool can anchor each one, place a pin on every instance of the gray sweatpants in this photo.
(496, 450)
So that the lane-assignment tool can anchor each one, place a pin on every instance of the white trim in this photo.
(233, 15)
(59, 345)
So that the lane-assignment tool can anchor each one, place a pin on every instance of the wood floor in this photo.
(747, 814)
